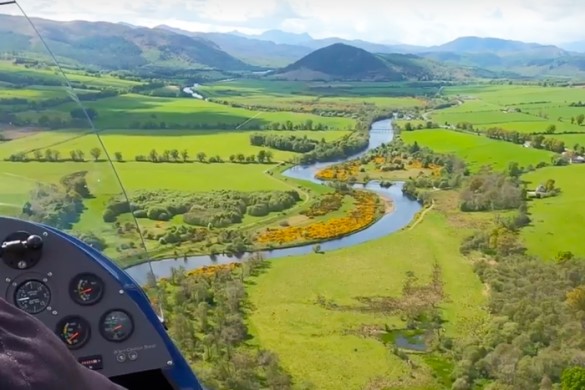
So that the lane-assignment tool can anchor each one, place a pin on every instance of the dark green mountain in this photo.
(339, 62)
(115, 46)
(348, 63)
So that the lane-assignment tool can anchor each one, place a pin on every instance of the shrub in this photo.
(157, 213)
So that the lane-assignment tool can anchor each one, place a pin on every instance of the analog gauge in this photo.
(32, 296)
(116, 325)
(86, 289)
(74, 331)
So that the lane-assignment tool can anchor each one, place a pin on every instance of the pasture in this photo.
(477, 150)
(131, 110)
(132, 143)
(311, 96)
(36, 93)
(194, 177)
(529, 109)
(45, 74)
(287, 319)
(557, 222)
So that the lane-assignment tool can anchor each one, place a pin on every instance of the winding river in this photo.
(402, 214)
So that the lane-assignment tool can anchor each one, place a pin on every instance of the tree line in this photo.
(535, 335)
(217, 209)
(166, 156)
(537, 141)
(58, 205)
(206, 313)
(289, 143)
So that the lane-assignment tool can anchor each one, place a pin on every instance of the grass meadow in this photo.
(305, 335)
(488, 105)
(557, 223)
(126, 110)
(140, 142)
(477, 150)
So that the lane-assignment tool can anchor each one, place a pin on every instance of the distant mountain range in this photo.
(122, 46)
(115, 46)
(277, 49)
(578, 46)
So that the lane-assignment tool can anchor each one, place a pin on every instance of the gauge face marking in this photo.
(86, 289)
(116, 326)
(74, 331)
(32, 296)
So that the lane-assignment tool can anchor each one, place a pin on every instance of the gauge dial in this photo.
(116, 326)
(86, 289)
(32, 296)
(74, 331)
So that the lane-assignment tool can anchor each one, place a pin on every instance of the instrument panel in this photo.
(49, 277)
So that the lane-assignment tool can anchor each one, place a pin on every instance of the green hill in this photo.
(112, 46)
(347, 63)
(340, 62)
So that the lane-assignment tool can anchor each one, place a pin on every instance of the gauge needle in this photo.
(73, 337)
(23, 299)
(118, 327)
(87, 290)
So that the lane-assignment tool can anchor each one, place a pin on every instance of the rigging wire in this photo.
(71, 92)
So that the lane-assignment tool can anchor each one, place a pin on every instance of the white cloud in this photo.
(416, 21)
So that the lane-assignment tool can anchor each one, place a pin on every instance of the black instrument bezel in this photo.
(73, 285)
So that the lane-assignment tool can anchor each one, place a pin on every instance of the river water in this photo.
(403, 212)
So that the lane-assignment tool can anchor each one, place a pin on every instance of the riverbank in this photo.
(333, 336)
(402, 213)
(388, 204)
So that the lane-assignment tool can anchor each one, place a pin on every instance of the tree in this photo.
(573, 379)
(514, 169)
(261, 156)
(241, 158)
(118, 156)
(201, 156)
(232, 158)
(580, 119)
(153, 155)
(49, 155)
(185, 155)
(550, 185)
(95, 153)
(269, 156)
(80, 155)
(576, 298)
(73, 155)
(79, 113)
(38, 155)
(175, 154)
(572, 120)
(551, 129)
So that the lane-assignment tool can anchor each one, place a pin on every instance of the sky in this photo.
(418, 22)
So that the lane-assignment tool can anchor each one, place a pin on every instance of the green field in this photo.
(494, 106)
(77, 77)
(516, 95)
(287, 320)
(477, 150)
(36, 93)
(571, 140)
(311, 96)
(140, 142)
(125, 110)
(557, 222)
